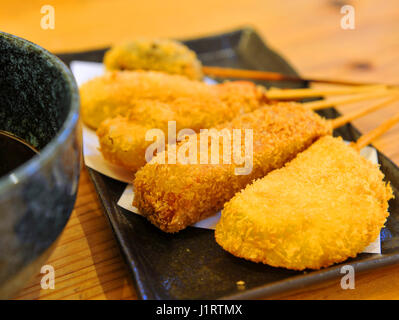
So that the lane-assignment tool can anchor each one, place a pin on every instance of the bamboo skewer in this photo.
(369, 137)
(321, 104)
(338, 122)
(270, 76)
(352, 87)
(291, 94)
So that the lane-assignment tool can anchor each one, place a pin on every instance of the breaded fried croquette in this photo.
(323, 207)
(174, 196)
(164, 55)
(122, 139)
(118, 93)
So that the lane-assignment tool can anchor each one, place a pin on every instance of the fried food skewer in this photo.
(173, 196)
(174, 57)
(154, 54)
(321, 208)
(118, 94)
(196, 103)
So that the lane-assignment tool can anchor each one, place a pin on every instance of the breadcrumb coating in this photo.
(323, 207)
(164, 55)
(119, 93)
(173, 196)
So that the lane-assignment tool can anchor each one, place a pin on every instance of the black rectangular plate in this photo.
(190, 264)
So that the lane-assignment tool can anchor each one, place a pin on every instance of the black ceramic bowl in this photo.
(39, 102)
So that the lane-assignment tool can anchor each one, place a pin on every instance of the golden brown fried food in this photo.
(163, 55)
(122, 139)
(118, 93)
(323, 207)
(173, 196)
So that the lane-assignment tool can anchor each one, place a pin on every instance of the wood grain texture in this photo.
(307, 32)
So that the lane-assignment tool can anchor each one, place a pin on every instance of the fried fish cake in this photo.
(323, 207)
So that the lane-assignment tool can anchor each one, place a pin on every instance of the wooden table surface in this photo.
(87, 262)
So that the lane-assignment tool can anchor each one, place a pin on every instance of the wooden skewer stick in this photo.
(322, 104)
(291, 94)
(338, 122)
(270, 76)
(367, 138)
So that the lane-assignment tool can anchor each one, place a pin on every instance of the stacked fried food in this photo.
(306, 200)
(124, 105)
(164, 55)
(173, 196)
(323, 207)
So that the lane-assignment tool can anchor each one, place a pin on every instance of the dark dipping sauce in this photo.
(14, 152)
